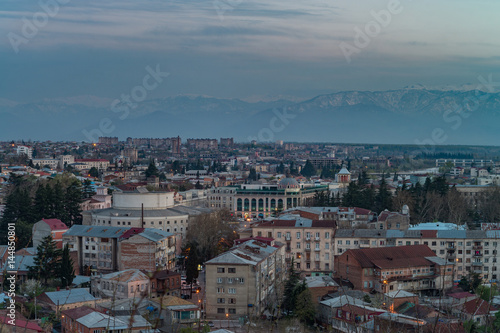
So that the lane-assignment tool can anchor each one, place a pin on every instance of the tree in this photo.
(308, 170)
(470, 283)
(212, 233)
(280, 168)
(152, 170)
(304, 307)
(383, 199)
(66, 272)
(47, 260)
(290, 292)
(252, 175)
(88, 189)
(93, 172)
(192, 263)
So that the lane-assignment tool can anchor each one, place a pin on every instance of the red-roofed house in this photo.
(46, 227)
(413, 268)
(476, 310)
(20, 325)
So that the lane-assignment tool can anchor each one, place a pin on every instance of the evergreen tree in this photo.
(47, 260)
(383, 199)
(66, 272)
(42, 204)
(88, 189)
(72, 202)
(304, 307)
(252, 175)
(290, 296)
(93, 172)
(308, 170)
(192, 263)
(280, 168)
(152, 170)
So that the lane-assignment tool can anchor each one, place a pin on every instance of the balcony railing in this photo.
(477, 247)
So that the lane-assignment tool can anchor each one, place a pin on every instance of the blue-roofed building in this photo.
(67, 299)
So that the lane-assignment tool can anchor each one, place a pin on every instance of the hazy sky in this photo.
(240, 48)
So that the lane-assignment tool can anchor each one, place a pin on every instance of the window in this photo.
(220, 290)
(327, 235)
(221, 310)
(229, 280)
(231, 300)
(327, 256)
(339, 242)
(468, 243)
(298, 245)
(460, 243)
(242, 280)
(231, 270)
(327, 246)
(220, 270)
(317, 235)
(347, 242)
(298, 235)
(219, 280)
(317, 246)
(231, 290)
(434, 243)
(221, 300)
(232, 311)
(279, 234)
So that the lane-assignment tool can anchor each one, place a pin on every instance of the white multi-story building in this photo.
(28, 151)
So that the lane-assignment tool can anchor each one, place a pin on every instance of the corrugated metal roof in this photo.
(96, 231)
(155, 234)
(70, 296)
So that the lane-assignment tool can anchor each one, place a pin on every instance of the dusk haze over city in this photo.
(238, 166)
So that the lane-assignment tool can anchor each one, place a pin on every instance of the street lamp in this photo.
(227, 317)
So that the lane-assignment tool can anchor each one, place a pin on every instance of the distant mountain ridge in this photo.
(407, 115)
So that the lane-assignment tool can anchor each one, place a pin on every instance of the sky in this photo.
(242, 48)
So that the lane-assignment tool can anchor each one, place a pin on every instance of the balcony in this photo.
(478, 271)
(308, 249)
(288, 238)
(317, 239)
(478, 254)
(308, 239)
(317, 249)
(450, 247)
(477, 263)
(477, 247)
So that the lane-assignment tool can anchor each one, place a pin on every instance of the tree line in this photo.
(29, 200)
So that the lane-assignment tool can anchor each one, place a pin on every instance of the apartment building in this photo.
(245, 280)
(414, 268)
(151, 249)
(98, 163)
(222, 197)
(468, 250)
(308, 242)
(346, 217)
(109, 249)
